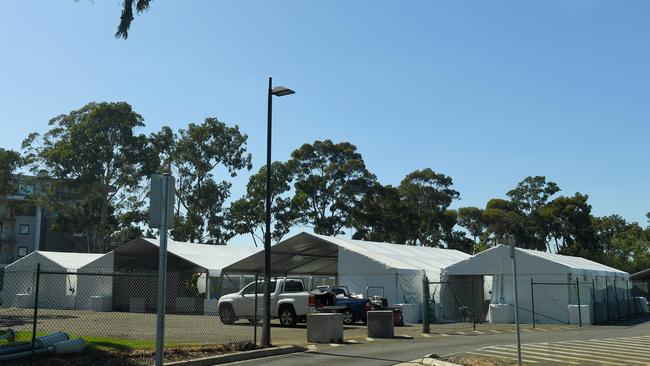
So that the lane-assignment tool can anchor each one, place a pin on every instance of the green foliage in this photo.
(331, 179)
(426, 196)
(98, 163)
(10, 161)
(380, 216)
(247, 215)
(127, 16)
(625, 246)
(192, 156)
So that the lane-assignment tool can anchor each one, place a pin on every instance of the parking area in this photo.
(207, 329)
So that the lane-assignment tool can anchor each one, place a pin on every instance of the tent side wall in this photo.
(20, 284)
(95, 292)
(358, 273)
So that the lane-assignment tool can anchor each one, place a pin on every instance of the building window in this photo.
(24, 229)
(22, 251)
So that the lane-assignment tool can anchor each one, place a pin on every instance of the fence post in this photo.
(579, 306)
(532, 299)
(618, 307)
(607, 298)
(627, 292)
(255, 316)
(38, 279)
(425, 305)
(593, 298)
(473, 306)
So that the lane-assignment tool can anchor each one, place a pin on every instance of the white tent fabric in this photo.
(212, 258)
(548, 278)
(57, 291)
(392, 270)
(57, 260)
(496, 260)
(398, 256)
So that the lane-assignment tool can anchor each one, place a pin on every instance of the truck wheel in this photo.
(287, 316)
(227, 314)
(348, 317)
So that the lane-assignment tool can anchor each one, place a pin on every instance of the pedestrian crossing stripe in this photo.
(606, 351)
(503, 357)
(527, 354)
(586, 353)
(478, 332)
(617, 345)
(576, 350)
(495, 331)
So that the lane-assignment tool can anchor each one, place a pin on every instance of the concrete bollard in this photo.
(381, 324)
(325, 328)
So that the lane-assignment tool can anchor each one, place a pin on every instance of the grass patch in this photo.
(108, 344)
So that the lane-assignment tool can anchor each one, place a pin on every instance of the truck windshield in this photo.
(250, 289)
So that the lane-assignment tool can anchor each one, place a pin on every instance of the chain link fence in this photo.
(454, 306)
(115, 310)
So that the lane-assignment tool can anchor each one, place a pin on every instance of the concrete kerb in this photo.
(238, 356)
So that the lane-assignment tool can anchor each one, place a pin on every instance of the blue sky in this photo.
(486, 92)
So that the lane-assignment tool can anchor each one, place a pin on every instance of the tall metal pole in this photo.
(162, 270)
(266, 330)
(513, 254)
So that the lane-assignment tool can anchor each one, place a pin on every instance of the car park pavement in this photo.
(454, 345)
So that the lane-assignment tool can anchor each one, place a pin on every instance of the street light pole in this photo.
(266, 329)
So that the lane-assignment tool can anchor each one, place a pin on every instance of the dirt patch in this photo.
(94, 357)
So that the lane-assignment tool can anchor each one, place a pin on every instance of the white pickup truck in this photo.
(289, 302)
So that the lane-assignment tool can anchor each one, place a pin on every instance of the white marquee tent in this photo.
(363, 266)
(141, 256)
(56, 291)
(553, 280)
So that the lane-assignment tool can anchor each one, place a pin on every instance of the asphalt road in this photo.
(390, 352)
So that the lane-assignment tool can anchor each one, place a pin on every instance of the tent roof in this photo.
(212, 258)
(489, 261)
(318, 254)
(641, 275)
(63, 259)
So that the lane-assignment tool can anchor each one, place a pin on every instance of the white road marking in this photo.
(478, 332)
(582, 355)
(334, 344)
(528, 355)
(503, 357)
(426, 335)
(370, 339)
(495, 331)
(352, 341)
(444, 334)
(461, 333)
(311, 347)
(590, 352)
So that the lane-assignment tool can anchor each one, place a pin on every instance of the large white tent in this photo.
(371, 268)
(139, 257)
(547, 279)
(56, 291)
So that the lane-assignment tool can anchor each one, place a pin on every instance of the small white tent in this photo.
(371, 268)
(548, 280)
(56, 290)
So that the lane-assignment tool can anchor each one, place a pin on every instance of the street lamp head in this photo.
(280, 91)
